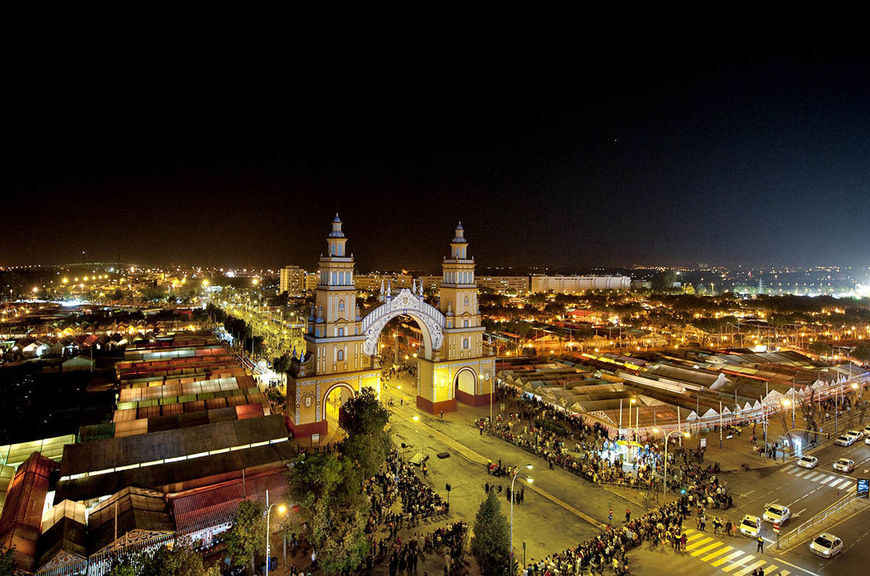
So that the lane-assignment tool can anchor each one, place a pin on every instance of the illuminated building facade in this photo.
(342, 346)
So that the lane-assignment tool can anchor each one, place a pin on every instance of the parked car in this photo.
(750, 526)
(776, 513)
(808, 462)
(844, 465)
(826, 545)
(867, 430)
(856, 433)
(845, 440)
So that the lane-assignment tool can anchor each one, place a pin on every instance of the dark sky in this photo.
(636, 156)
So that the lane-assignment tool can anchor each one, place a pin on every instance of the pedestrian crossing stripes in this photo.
(823, 478)
(733, 562)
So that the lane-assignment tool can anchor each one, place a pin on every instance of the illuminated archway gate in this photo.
(430, 319)
(341, 346)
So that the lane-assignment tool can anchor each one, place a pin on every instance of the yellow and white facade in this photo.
(452, 365)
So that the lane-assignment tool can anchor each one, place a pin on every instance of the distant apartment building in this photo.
(504, 284)
(292, 281)
(311, 281)
(430, 282)
(577, 284)
(371, 283)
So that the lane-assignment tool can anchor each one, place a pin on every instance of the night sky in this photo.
(643, 156)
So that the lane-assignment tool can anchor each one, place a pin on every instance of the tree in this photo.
(247, 534)
(367, 442)
(491, 541)
(281, 364)
(332, 509)
(7, 560)
(862, 351)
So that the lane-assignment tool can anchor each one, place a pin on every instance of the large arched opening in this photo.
(400, 345)
(465, 385)
(332, 411)
(405, 304)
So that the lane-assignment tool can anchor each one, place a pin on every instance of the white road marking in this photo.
(738, 563)
(795, 566)
(731, 556)
(718, 552)
(706, 549)
(751, 567)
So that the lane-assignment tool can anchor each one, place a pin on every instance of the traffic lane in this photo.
(828, 454)
(595, 500)
(854, 530)
(778, 486)
(544, 526)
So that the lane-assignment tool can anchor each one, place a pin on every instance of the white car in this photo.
(774, 513)
(844, 465)
(750, 526)
(867, 430)
(845, 440)
(867, 440)
(856, 433)
(808, 462)
(826, 545)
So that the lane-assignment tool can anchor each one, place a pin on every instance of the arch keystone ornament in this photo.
(341, 348)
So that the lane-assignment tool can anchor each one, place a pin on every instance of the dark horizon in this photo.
(650, 158)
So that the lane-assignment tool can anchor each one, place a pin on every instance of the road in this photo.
(806, 492)
(560, 509)
(567, 509)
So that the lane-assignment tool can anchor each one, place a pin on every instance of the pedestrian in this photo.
(486, 488)
(760, 547)
(627, 515)
(442, 414)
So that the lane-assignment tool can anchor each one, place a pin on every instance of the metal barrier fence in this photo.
(802, 531)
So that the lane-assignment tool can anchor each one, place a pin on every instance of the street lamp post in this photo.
(281, 509)
(665, 475)
(513, 479)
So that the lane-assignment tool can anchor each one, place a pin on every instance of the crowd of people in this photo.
(567, 441)
(609, 548)
(397, 481)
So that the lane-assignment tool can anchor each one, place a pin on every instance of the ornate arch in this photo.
(320, 414)
(473, 375)
(431, 321)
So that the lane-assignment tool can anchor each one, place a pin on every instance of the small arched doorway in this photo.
(465, 385)
(332, 409)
